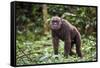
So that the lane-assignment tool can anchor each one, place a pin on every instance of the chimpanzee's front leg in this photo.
(55, 45)
(67, 46)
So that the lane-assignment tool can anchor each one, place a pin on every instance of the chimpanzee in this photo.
(63, 30)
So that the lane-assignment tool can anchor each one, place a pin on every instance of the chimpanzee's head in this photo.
(55, 23)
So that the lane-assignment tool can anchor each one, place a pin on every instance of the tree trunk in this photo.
(45, 15)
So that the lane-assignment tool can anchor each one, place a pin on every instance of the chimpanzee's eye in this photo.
(54, 21)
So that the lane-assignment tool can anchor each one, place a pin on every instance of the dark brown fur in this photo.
(67, 33)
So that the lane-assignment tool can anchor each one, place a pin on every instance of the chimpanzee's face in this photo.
(55, 23)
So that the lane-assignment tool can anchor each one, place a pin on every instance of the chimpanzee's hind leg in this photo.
(72, 45)
(78, 45)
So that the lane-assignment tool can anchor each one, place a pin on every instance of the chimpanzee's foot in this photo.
(66, 55)
(80, 55)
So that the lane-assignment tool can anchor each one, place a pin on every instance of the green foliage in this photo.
(41, 51)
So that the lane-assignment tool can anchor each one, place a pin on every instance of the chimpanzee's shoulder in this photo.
(67, 24)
